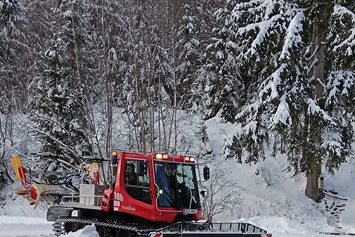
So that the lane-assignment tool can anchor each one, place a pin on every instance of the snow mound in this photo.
(284, 225)
(87, 231)
(279, 226)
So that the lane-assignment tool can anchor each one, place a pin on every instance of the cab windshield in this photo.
(177, 185)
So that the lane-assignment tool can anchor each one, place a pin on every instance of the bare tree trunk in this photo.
(176, 8)
(140, 112)
(317, 76)
(161, 131)
(109, 114)
(162, 128)
(312, 191)
(151, 96)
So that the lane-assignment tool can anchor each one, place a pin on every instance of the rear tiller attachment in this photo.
(193, 229)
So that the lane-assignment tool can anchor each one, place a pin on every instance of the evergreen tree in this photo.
(11, 87)
(61, 111)
(283, 54)
(206, 23)
(188, 57)
(339, 88)
(225, 82)
(13, 76)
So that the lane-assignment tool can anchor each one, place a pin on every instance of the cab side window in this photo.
(137, 180)
(131, 174)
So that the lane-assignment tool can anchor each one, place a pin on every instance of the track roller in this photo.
(103, 231)
(124, 233)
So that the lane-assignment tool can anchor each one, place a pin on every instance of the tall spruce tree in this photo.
(225, 83)
(61, 107)
(199, 88)
(299, 84)
(14, 76)
(188, 57)
(12, 86)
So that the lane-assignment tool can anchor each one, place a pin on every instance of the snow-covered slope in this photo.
(269, 191)
(270, 197)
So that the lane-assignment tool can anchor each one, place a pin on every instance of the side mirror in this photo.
(114, 161)
(206, 173)
(203, 193)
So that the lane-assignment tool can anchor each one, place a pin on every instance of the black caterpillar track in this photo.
(59, 226)
(110, 227)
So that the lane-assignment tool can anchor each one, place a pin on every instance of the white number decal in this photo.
(118, 196)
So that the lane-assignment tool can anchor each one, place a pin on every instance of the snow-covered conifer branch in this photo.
(340, 85)
(293, 37)
(342, 15)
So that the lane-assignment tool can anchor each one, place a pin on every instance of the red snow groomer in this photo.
(152, 194)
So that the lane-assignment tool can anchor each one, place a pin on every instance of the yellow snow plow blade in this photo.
(36, 193)
(16, 163)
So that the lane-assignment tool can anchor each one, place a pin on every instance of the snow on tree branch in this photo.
(264, 30)
(315, 109)
(336, 143)
(340, 84)
(270, 18)
(282, 114)
(271, 83)
(293, 36)
(346, 20)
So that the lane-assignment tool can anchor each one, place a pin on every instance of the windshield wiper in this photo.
(190, 197)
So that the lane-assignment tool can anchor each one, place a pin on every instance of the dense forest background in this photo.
(281, 71)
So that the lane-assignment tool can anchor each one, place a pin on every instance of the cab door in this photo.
(133, 191)
(138, 180)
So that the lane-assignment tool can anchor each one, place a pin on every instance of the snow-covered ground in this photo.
(12, 226)
(24, 226)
